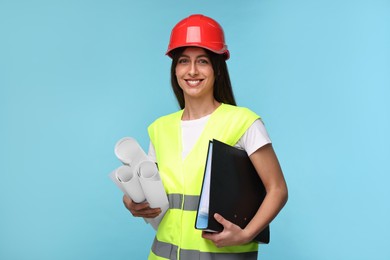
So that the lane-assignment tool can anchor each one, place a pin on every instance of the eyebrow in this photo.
(200, 56)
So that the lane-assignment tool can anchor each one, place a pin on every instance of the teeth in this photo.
(193, 82)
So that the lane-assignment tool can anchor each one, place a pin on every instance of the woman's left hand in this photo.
(231, 235)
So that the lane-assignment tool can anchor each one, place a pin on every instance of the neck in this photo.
(197, 109)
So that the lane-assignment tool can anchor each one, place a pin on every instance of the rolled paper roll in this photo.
(148, 169)
(139, 177)
(129, 152)
(130, 183)
(153, 189)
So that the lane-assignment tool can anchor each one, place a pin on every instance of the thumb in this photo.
(220, 219)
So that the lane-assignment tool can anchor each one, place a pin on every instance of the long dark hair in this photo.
(223, 91)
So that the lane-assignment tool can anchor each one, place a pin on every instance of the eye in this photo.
(203, 61)
(183, 60)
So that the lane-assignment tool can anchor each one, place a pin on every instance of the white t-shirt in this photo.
(255, 137)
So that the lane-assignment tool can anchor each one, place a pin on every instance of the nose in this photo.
(193, 70)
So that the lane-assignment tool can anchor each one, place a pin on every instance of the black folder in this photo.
(232, 188)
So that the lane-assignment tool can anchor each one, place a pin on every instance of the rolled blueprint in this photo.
(130, 183)
(139, 177)
(129, 152)
(153, 189)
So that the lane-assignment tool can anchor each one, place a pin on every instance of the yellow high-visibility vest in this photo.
(176, 236)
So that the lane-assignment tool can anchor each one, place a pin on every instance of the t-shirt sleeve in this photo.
(255, 137)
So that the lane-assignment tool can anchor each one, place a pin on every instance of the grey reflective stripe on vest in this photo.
(169, 251)
(165, 250)
(190, 201)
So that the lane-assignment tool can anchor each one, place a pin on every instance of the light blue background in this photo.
(76, 76)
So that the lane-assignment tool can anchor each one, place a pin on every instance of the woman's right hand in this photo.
(140, 209)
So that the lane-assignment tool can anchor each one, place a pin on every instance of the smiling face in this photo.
(195, 74)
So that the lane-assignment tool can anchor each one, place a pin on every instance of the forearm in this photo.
(273, 202)
(270, 172)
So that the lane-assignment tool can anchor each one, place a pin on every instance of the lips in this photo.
(194, 82)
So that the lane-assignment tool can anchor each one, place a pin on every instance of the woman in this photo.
(179, 143)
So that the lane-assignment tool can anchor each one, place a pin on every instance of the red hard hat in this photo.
(199, 31)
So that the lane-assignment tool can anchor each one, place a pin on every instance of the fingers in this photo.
(229, 236)
(215, 237)
(140, 209)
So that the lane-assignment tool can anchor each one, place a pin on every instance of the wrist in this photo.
(248, 235)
